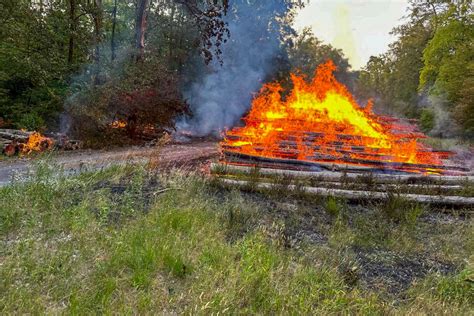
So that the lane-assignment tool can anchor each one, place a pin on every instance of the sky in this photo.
(359, 27)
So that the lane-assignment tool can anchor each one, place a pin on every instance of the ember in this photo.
(319, 124)
(118, 124)
(37, 143)
(22, 142)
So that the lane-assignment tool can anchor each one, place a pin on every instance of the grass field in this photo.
(127, 240)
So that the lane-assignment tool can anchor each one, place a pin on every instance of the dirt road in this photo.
(77, 161)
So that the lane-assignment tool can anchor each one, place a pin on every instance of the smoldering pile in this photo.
(21, 142)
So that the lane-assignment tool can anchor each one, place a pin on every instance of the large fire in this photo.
(319, 121)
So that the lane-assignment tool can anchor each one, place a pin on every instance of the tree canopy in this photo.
(68, 65)
(427, 72)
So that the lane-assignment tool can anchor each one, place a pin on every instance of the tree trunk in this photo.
(114, 22)
(72, 30)
(140, 27)
(97, 19)
(171, 35)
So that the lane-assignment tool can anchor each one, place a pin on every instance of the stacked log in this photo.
(328, 162)
(14, 142)
(453, 191)
(343, 151)
(458, 201)
(10, 140)
(63, 142)
(12, 134)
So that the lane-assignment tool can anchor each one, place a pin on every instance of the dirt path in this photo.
(77, 161)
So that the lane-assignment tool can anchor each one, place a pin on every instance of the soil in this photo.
(376, 268)
(172, 155)
(396, 272)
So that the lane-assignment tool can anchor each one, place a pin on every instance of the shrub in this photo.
(427, 120)
(144, 97)
(333, 207)
(31, 121)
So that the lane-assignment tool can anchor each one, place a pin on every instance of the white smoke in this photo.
(222, 96)
(444, 125)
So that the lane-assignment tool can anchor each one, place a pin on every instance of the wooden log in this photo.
(457, 201)
(286, 144)
(282, 162)
(15, 131)
(10, 149)
(428, 189)
(353, 152)
(69, 145)
(18, 136)
(291, 141)
(13, 142)
(393, 186)
(346, 176)
(402, 131)
(316, 150)
(314, 168)
(311, 136)
(320, 161)
(355, 149)
(4, 141)
(290, 163)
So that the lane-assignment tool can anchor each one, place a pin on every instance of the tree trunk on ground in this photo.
(140, 28)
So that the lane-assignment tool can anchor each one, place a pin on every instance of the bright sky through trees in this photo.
(359, 27)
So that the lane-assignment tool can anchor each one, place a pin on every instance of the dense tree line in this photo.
(428, 73)
(78, 65)
(75, 54)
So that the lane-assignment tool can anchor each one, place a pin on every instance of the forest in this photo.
(76, 66)
(208, 157)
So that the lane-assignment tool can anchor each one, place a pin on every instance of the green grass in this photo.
(115, 242)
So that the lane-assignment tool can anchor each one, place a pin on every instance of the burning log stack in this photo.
(319, 129)
(20, 142)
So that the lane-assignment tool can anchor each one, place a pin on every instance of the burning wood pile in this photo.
(21, 142)
(319, 127)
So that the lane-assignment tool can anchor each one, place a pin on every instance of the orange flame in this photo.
(321, 121)
(118, 124)
(36, 143)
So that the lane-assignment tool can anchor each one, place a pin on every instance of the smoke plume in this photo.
(220, 98)
(444, 125)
